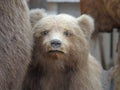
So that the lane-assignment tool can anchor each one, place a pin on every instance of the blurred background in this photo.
(103, 46)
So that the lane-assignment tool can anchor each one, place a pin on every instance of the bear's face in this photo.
(62, 35)
(59, 35)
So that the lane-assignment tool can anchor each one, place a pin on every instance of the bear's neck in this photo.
(62, 78)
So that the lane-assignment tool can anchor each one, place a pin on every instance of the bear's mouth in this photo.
(55, 51)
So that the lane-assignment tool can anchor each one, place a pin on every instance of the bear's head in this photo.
(61, 36)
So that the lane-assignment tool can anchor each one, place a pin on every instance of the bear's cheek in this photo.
(77, 44)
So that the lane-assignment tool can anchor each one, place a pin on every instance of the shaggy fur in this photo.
(69, 67)
(15, 43)
(105, 12)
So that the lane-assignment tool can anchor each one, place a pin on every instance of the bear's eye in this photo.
(44, 33)
(67, 33)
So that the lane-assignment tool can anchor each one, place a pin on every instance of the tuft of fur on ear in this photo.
(36, 15)
(86, 23)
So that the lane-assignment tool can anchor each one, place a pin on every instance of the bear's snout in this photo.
(55, 43)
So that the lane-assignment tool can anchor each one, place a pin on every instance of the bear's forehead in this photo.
(58, 21)
(61, 18)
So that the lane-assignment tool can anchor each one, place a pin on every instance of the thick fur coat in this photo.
(15, 43)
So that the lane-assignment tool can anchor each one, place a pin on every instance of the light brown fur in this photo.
(105, 12)
(15, 43)
(73, 68)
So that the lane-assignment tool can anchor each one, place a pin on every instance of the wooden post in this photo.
(102, 51)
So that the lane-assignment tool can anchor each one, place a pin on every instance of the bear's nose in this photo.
(55, 43)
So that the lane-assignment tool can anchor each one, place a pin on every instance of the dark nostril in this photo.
(55, 43)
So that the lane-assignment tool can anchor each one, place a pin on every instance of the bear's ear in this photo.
(36, 15)
(86, 23)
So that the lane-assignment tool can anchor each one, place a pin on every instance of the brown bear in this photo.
(15, 43)
(61, 58)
